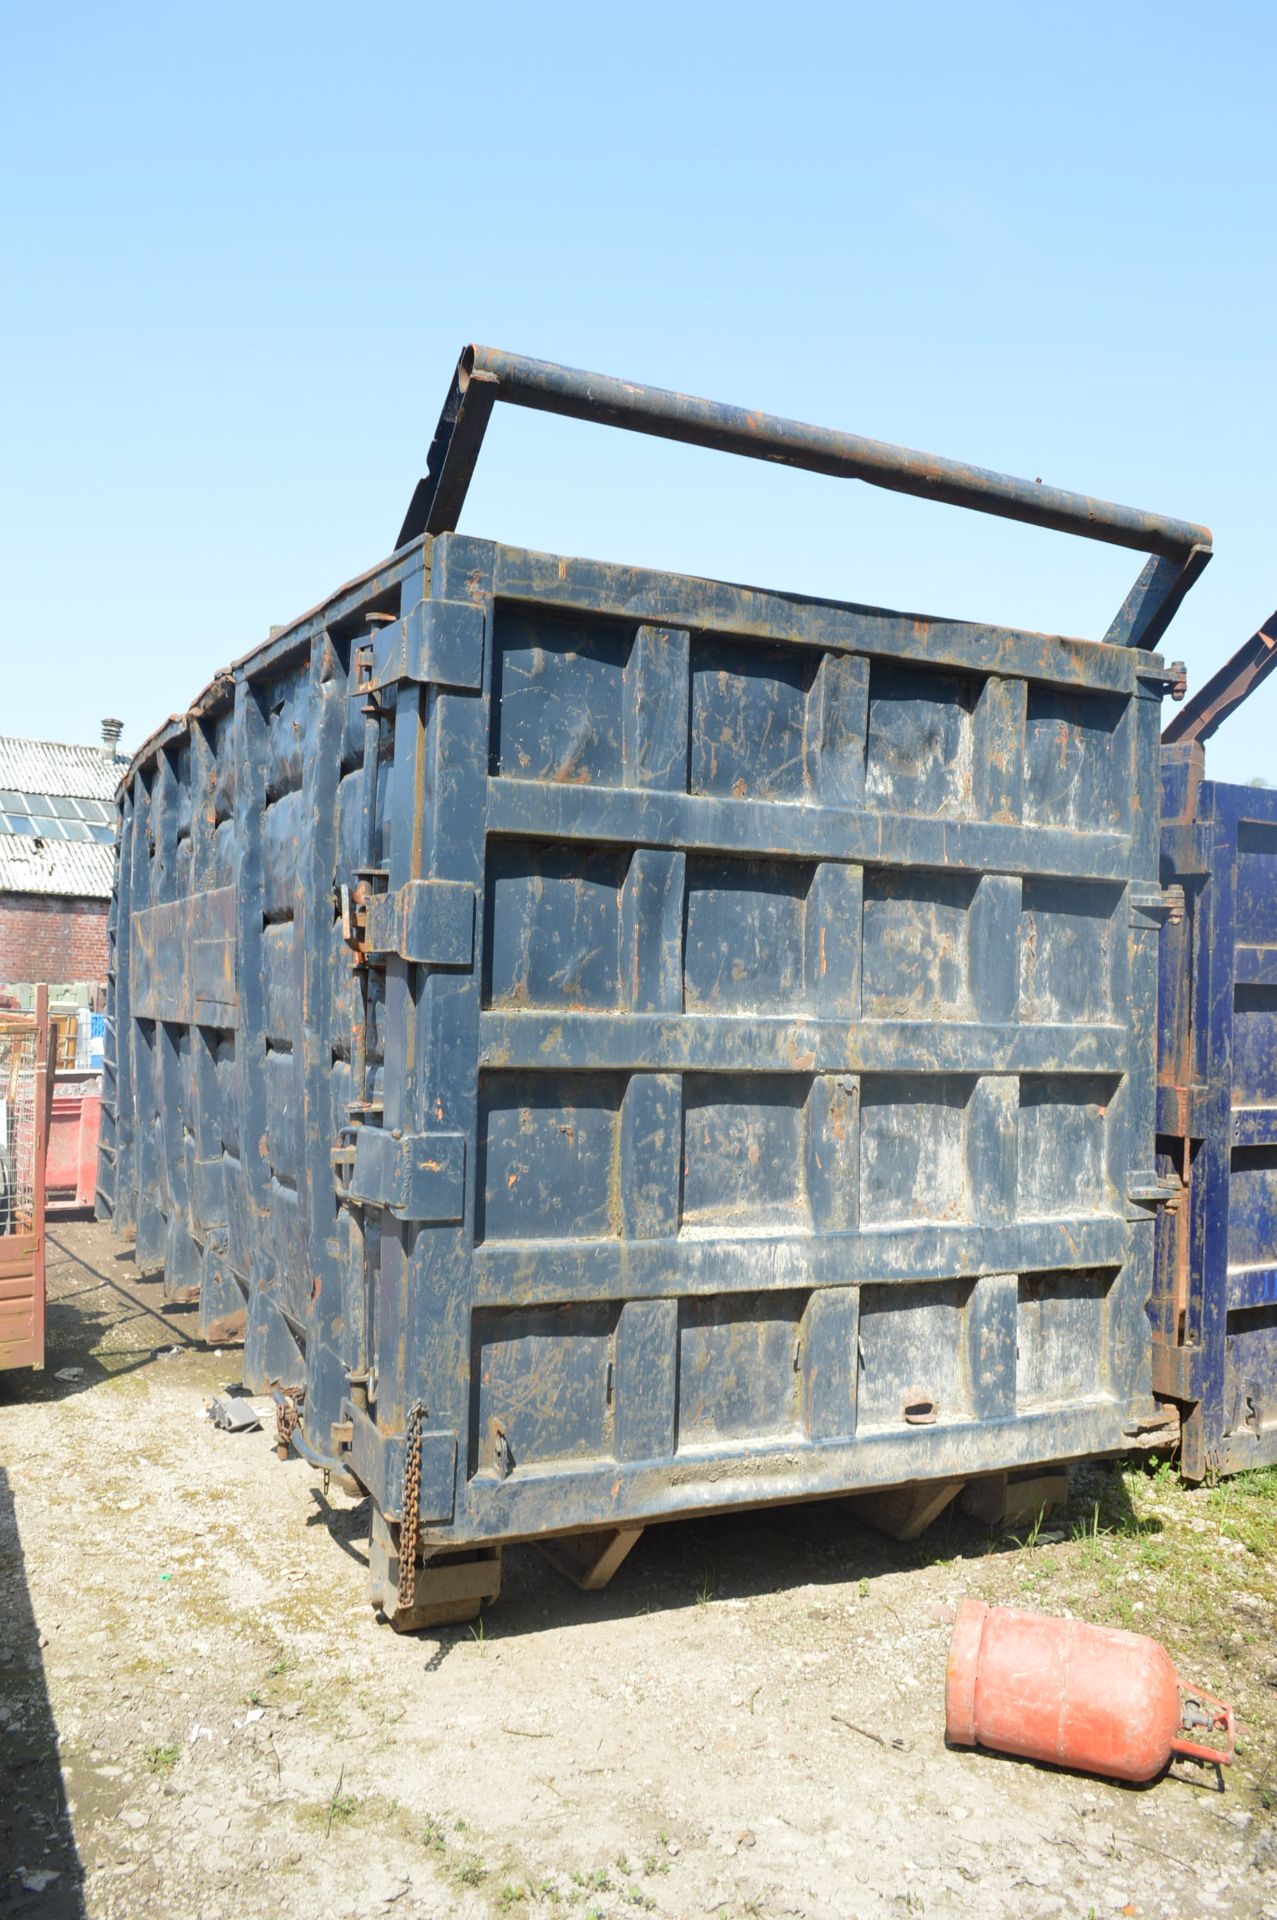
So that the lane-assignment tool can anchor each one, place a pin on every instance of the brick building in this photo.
(57, 854)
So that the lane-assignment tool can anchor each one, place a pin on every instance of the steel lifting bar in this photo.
(1211, 705)
(485, 375)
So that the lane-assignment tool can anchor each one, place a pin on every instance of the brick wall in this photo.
(51, 939)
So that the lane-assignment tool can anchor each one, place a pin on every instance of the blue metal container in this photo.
(1214, 1305)
(621, 1045)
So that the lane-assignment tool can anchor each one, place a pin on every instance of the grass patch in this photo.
(434, 1834)
(338, 1810)
(162, 1760)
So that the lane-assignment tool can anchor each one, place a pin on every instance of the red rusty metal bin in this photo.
(71, 1170)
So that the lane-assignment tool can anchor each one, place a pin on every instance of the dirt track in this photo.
(184, 1624)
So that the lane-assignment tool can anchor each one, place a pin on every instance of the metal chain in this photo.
(411, 1507)
(287, 1416)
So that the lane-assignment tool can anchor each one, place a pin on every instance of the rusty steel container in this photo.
(619, 1045)
(1096, 1699)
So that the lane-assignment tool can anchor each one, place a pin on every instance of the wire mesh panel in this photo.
(23, 1132)
(17, 1128)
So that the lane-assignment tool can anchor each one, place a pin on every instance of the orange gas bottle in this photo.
(1092, 1698)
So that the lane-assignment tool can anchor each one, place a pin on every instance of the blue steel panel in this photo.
(933, 1168)
(785, 1127)
(1215, 1301)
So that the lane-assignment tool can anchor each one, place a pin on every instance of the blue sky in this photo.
(243, 247)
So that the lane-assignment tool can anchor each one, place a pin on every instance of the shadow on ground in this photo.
(99, 1324)
(40, 1872)
(731, 1556)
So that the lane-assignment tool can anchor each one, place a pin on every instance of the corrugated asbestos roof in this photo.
(66, 867)
(47, 766)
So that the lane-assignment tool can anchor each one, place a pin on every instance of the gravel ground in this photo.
(200, 1715)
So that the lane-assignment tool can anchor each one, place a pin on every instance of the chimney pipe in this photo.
(111, 731)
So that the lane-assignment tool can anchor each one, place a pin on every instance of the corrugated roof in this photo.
(47, 766)
(64, 867)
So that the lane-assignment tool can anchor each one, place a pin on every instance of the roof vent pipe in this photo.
(111, 731)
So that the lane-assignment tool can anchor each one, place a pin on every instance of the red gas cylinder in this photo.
(1092, 1698)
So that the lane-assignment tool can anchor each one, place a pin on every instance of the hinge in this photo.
(1147, 1190)
(430, 922)
(352, 903)
(1148, 906)
(1181, 1111)
(1186, 849)
(438, 643)
(377, 1461)
(1173, 1371)
(415, 1176)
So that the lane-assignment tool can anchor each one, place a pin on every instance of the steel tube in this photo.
(541, 385)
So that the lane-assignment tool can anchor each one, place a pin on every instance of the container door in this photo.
(769, 1065)
(1235, 1200)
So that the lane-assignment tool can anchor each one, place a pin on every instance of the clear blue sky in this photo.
(243, 246)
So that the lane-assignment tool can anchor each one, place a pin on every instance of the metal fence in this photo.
(24, 1113)
(17, 1127)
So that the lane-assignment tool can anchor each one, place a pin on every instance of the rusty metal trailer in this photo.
(1214, 1305)
(621, 1045)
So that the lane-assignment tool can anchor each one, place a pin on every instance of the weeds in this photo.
(1030, 1539)
(342, 1809)
(161, 1760)
(1088, 1532)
